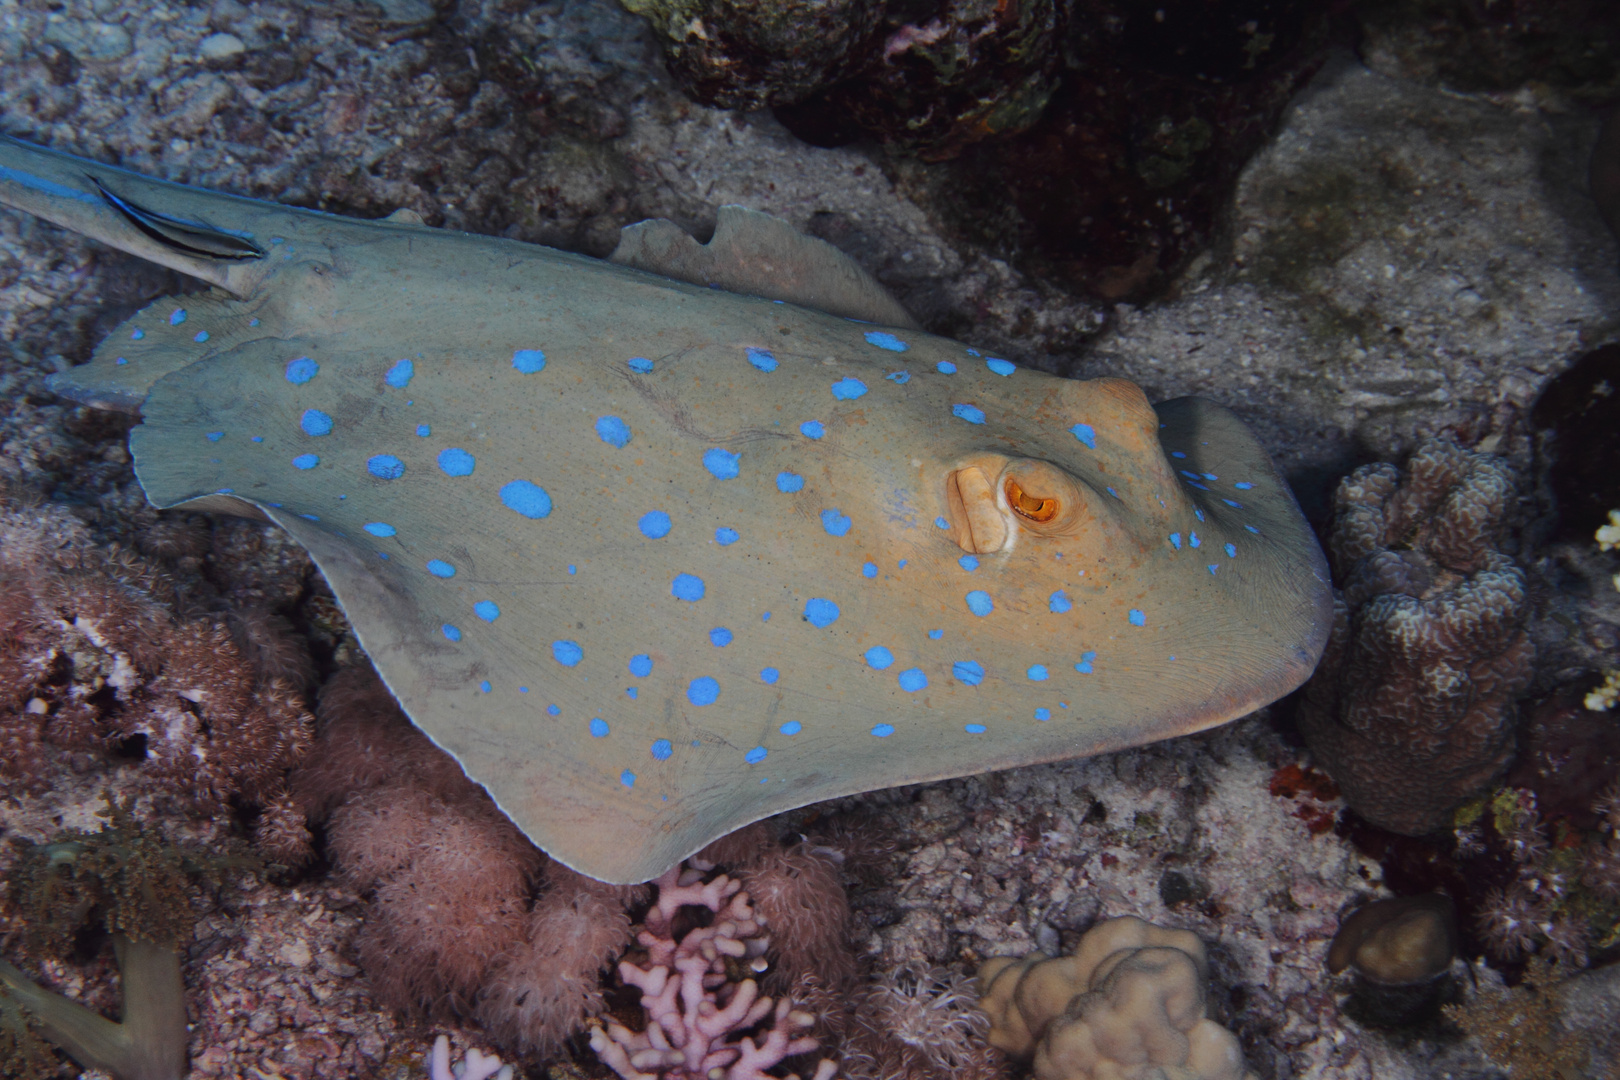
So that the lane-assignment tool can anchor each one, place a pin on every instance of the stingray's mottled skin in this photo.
(653, 560)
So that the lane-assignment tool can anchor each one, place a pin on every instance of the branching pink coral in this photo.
(697, 1017)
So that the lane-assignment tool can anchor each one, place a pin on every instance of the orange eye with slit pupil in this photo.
(1029, 506)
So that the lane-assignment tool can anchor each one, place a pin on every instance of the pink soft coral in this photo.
(696, 1016)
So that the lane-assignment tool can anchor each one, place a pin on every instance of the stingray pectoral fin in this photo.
(165, 336)
(756, 254)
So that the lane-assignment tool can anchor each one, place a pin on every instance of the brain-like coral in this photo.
(1130, 1002)
(1413, 706)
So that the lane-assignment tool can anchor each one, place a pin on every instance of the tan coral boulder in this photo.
(1130, 1004)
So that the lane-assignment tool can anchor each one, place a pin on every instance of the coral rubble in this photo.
(1413, 706)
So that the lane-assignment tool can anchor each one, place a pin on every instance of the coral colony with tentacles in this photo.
(564, 630)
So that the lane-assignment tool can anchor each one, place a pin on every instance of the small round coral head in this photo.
(1401, 941)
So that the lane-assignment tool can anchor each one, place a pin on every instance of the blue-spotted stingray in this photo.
(661, 545)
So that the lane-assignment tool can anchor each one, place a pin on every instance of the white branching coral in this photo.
(697, 1016)
(477, 1065)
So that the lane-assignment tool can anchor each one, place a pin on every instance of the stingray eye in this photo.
(1029, 506)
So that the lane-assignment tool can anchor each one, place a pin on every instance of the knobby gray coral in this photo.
(1413, 705)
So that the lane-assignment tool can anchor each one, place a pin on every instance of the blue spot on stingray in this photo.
(1252, 529)
(792, 727)
(765, 617)
(456, 462)
(970, 413)
(215, 436)
(553, 710)
(883, 731)
(789, 482)
(1137, 618)
(178, 317)
(306, 461)
(848, 389)
(423, 430)
(440, 568)
(688, 587)
(945, 367)
(1043, 714)
(820, 613)
(756, 755)
(627, 778)
(1175, 541)
(599, 727)
(885, 340)
(655, 525)
(1037, 673)
(567, 653)
(1197, 513)
(869, 569)
(1086, 435)
(812, 429)
(1059, 602)
(720, 637)
(1243, 485)
(121, 360)
(1231, 551)
(836, 523)
(1193, 541)
(399, 376)
(1233, 505)
(901, 377)
(258, 438)
(315, 422)
(878, 657)
(385, 467)
(703, 691)
(1087, 659)
(724, 536)
(1000, 367)
(529, 361)
(484, 686)
(632, 692)
(902, 563)
(969, 672)
(912, 680)
(251, 322)
(979, 602)
(769, 675)
(640, 365)
(935, 635)
(641, 665)
(1196, 484)
(301, 370)
(1212, 569)
(379, 528)
(487, 610)
(1210, 476)
(761, 359)
(1177, 453)
(973, 729)
(202, 336)
(721, 463)
(526, 498)
(136, 335)
(968, 563)
(453, 633)
(661, 749)
(613, 431)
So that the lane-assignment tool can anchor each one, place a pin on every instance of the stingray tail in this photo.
(168, 224)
